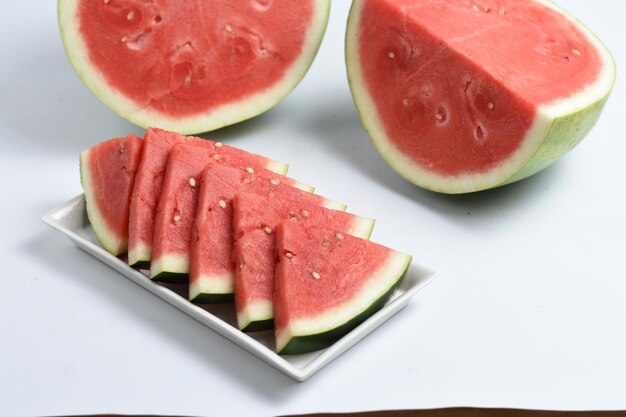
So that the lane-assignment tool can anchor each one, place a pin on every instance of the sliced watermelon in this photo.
(107, 174)
(145, 196)
(212, 271)
(254, 219)
(176, 209)
(460, 96)
(327, 283)
(191, 66)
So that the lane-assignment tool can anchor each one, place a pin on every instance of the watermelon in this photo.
(211, 277)
(461, 96)
(176, 209)
(327, 283)
(254, 219)
(191, 66)
(107, 174)
(149, 179)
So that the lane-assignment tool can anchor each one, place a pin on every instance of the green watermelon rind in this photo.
(226, 115)
(248, 321)
(107, 238)
(558, 126)
(305, 343)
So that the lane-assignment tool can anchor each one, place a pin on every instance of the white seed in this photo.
(475, 8)
(222, 204)
(315, 275)
(575, 51)
(293, 218)
(339, 236)
(274, 181)
(502, 11)
(325, 243)
(305, 213)
(268, 230)
(217, 156)
(248, 180)
(230, 30)
(187, 79)
(130, 15)
(250, 170)
(124, 39)
(177, 218)
(405, 102)
(218, 144)
(391, 55)
(105, 1)
(438, 116)
(490, 106)
(192, 182)
(289, 255)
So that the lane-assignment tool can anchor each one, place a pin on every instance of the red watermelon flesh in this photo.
(149, 179)
(176, 209)
(327, 283)
(212, 271)
(255, 218)
(107, 176)
(473, 90)
(192, 66)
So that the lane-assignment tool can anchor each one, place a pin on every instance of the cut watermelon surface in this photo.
(191, 66)
(107, 172)
(255, 218)
(211, 277)
(149, 180)
(327, 283)
(463, 96)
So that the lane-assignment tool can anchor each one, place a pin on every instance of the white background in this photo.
(529, 309)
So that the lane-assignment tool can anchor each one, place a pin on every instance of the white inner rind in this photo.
(362, 227)
(377, 285)
(259, 310)
(175, 264)
(545, 118)
(223, 115)
(111, 242)
(211, 285)
(141, 252)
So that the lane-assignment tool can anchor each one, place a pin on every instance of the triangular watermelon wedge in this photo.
(176, 210)
(149, 180)
(107, 173)
(211, 277)
(254, 219)
(327, 283)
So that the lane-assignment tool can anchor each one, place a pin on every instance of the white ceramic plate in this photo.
(71, 219)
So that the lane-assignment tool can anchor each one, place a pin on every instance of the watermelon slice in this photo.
(149, 179)
(460, 96)
(107, 174)
(254, 219)
(191, 66)
(211, 277)
(176, 209)
(327, 283)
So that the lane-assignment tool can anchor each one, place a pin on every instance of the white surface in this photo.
(72, 220)
(528, 310)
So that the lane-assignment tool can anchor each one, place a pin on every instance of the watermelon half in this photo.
(460, 96)
(107, 174)
(327, 283)
(255, 218)
(149, 180)
(191, 66)
(211, 274)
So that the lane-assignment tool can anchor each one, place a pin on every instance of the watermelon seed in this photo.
(218, 144)
(124, 38)
(305, 213)
(122, 147)
(268, 230)
(274, 181)
(289, 255)
(130, 15)
(502, 11)
(294, 218)
(187, 79)
(158, 19)
(105, 1)
(177, 218)
(475, 8)
(339, 236)
(575, 51)
(222, 204)
(490, 106)
(325, 243)
(217, 156)
(192, 182)
(391, 55)
(230, 30)
(250, 170)
(438, 116)
(405, 102)
(315, 275)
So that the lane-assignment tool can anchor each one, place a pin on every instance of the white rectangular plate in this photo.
(71, 219)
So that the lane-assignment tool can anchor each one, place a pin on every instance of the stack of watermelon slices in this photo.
(234, 228)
